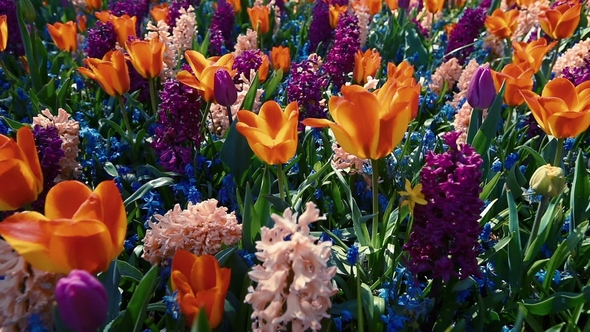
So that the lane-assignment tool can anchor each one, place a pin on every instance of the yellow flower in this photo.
(413, 196)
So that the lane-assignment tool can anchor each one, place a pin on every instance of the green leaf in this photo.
(360, 229)
(490, 186)
(271, 86)
(487, 132)
(539, 160)
(513, 184)
(110, 280)
(277, 202)
(543, 232)
(204, 48)
(515, 247)
(557, 302)
(14, 125)
(580, 193)
(201, 324)
(249, 221)
(236, 153)
(129, 271)
(153, 184)
(251, 95)
(494, 250)
(136, 311)
(414, 45)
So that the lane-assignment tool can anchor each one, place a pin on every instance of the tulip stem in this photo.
(125, 118)
(153, 96)
(535, 229)
(229, 115)
(359, 301)
(554, 59)
(281, 179)
(375, 184)
(558, 151)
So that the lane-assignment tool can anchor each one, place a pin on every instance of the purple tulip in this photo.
(82, 301)
(481, 92)
(224, 88)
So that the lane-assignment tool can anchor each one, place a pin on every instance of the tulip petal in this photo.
(213, 300)
(81, 244)
(196, 61)
(254, 135)
(271, 115)
(26, 141)
(19, 186)
(532, 102)
(113, 213)
(343, 138)
(203, 274)
(186, 78)
(65, 198)
(248, 118)
(563, 89)
(568, 124)
(180, 283)
(183, 262)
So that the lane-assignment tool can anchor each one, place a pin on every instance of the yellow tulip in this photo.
(147, 57)
(81, 229)
(272, 134)
(64, 36)
(111, 72)
(562, 110)
(20, 170)
(204, 71)
(369, 125)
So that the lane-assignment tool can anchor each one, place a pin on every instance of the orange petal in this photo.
(569, 124)
(185, 77)
(65, 198)
(180, 282)
(26, 141)
(19, 186)
(563, 89)
(203, 273)
(213, 300)
(113, 213)
(271, 116)
(183, 262)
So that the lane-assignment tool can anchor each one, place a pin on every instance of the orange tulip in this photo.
(3, 32)
(81, 229)
(237, 4)
(531, 55)
(369, 125)
(450, 27)
(263, 69)
(20, 170)
(434, 6)
(124, 27)
(280, 58)
(517, 79)
(65, 36)
(160, 12)
(201, 283)
(502, 24)
(271, 134)
(93, 4)
(111, 72)
(562, 110)
(104, 16)
(147, 57)
(204, 72)
(392, 4)
(561, 22)
(81, 22)
(400, 72)
(335, 11)
(25, 63)
(375, 6)
(259, 18)
(365, 64)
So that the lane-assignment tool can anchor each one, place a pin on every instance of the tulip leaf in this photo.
(129, 271)
(201, 324)
(204, 48)
(557, 302)
(414, 45)
(248, 103)
(543, 232)
(487, 132)
(539, 160)
(272, 85)
(514, 247)
(14, 125)
(236, 153)
(153, 184)
(580, 193)
(249, 221)
(136, 311)
(110, 280)
(277, 202)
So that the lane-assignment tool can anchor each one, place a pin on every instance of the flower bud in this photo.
(82, 301)
(224, 88)
(481, 92)
(548, 181)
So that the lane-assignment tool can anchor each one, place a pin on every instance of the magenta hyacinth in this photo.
(221, 28)
(101, 39)
(340, 58)
(50, 153)
(305, 86)
(320, 30)
(466, 32)
(444, 238)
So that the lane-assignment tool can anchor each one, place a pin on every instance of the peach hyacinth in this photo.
(294, 281)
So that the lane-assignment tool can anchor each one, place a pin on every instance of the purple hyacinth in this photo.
(138, 82)
(466, 32)
(177, 133)
(305, 86)
(50, 153)
(15, 43)
(137, 8)
(221, 28)
(248, 60)
(340, 58)
(101, 39)
(320, 30)
(444, 238)
(578, 75)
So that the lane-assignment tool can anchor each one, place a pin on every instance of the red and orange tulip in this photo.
(3, 32)
(434, 6)
(124, 27)
(81, 229)
(502, 24)
(365, 65)
(280, 57)
(65, 36)
(204, 72)
(147, 56)
(259, 18)
(271, 134)
(20, 170)
(369, 125)
(562, 110)
(111, 72)
(335, 11)
(561, 22)
(160, 12)
(201, 284)
(531, 55)
(517, 79)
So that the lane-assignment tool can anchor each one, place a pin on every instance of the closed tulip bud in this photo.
(65, 36)
(224, 88)
(481, 92)
(82, 301)
(548, 181)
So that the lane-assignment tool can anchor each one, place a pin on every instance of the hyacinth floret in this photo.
(245, 62)
(305, 86)
(101, 39)
(14, 44)
(466, 32)
(50, 153)
(320, 30)
(294, 282)
(340, 58)
(444, 238)
(221, 28)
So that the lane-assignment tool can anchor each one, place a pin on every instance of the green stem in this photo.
(554, 59)
(558, 152)
(359, 301)
(229, 116)
(125, 118)
(281, 176)
(375, 188)
(204, 119)
(153, 96)
(537, 222)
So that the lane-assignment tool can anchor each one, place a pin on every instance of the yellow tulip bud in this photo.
(548, 181)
